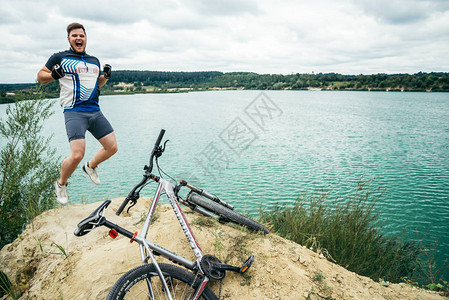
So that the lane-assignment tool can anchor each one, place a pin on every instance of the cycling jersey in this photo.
(79, 86)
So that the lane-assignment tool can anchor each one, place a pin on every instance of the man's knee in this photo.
(109, 144)
(77, 156)
(113, 149)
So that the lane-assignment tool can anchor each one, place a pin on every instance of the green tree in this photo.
(28, 166)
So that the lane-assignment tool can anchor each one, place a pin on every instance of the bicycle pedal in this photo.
(169, 282)
(247, 264)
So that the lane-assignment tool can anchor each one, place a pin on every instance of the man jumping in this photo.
(80, 81)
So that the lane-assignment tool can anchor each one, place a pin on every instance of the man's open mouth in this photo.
(79, 44)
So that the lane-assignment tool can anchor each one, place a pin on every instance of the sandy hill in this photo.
(282, 269)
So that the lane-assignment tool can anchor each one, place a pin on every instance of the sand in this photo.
(48, 262)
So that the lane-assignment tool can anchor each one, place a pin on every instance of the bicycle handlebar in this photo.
(157, 151)
(159, 138)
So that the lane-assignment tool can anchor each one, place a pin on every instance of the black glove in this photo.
(107, 70)
(57, 72)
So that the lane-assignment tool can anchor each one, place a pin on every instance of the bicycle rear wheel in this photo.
(226, 213)
(134, 284)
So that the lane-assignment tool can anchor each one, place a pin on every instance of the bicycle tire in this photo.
(133, 284)
(227, 213)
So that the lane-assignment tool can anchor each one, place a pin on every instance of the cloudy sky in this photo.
(263, 36)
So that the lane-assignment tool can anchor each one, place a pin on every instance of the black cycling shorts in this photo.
(77, 122)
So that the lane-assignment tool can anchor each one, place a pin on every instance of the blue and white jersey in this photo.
(79, 86)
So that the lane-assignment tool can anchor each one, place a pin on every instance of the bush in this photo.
(28, 166)
(348, 232)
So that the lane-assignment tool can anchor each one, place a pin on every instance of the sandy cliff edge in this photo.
(282, 268)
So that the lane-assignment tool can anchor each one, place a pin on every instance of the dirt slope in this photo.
(282, 269)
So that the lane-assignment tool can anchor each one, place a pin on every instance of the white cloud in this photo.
(284, 36)
(402, 11)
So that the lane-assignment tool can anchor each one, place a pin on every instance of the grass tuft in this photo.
(351, 233)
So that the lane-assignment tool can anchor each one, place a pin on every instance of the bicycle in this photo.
(190, 282)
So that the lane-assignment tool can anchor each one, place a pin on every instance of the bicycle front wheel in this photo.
(135, 284)
(226, 213)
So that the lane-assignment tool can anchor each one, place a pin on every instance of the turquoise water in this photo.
(256, 149)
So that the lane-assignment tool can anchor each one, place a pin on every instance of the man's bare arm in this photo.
(44, 76)
(102, 80)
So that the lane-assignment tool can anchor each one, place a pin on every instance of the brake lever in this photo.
(165, 143)
(160, 149)
(133, 200)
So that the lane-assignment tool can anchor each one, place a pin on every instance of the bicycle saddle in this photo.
(93, 220)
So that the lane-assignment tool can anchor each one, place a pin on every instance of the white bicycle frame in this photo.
(147, 247)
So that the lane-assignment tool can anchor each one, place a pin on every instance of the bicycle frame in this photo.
(205, 267)
(147, 247)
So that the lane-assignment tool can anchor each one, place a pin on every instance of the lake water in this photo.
(257, 149)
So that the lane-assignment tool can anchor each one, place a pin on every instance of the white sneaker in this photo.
(61, 193)
(92, 173)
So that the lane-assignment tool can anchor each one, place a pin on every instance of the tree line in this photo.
(248, 80)
(129, 81)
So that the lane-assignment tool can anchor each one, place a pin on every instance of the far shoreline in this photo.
(11, 97)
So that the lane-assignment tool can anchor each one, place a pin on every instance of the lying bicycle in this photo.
(159, 280)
